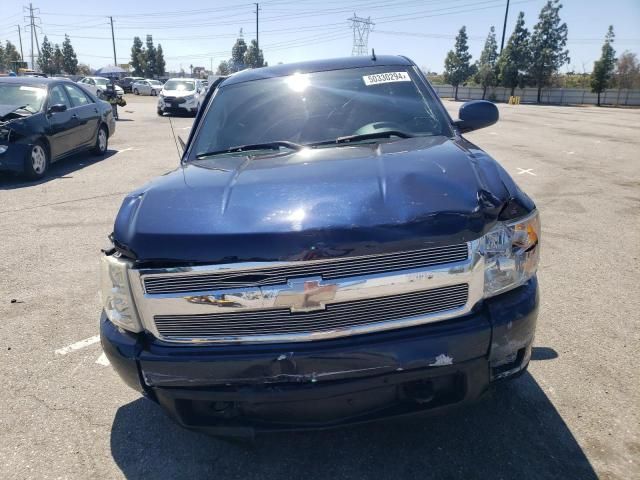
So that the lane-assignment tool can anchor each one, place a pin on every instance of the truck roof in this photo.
(316, 66)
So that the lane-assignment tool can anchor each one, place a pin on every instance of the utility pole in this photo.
(361, 28)
(20, 38)
(113, 41)
(257, 27)
(504, 27)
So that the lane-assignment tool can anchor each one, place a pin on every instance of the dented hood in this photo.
(347, 200)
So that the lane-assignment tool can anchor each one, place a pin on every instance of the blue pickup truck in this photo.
(330, 250)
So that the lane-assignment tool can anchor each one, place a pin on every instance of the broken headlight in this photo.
(115, 290)
(511, 253)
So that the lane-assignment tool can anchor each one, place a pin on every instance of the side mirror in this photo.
(57, 108)
(475, 115)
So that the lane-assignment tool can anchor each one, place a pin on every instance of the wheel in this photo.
(160, 112)
(136, 92)
(37, 162)
(102, 141)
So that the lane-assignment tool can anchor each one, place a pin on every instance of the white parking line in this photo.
(78, 345)
(103, 360)
(526, 170)
(128, 149)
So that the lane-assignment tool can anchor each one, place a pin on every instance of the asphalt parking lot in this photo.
(65, 413)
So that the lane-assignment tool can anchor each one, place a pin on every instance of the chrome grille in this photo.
(343, 315)
(327, 269)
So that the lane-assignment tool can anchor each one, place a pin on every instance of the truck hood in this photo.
(347, 200)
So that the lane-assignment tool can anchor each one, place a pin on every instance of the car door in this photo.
(60, 125)
(87, 113)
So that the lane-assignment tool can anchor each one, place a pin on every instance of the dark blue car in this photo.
(43, 120)
(330, 251)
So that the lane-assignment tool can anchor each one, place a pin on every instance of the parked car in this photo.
(44, 120)
(330, 250)
(97, 85)
(127, 83)
(181, 95)
(147, 87)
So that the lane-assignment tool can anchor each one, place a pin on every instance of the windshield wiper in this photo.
(254, 146)
(364, 136)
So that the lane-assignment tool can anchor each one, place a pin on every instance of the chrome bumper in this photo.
(309, 294)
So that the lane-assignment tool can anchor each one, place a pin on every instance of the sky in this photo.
(199, 33)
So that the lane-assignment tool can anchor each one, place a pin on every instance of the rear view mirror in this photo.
(57, 108)
(476, 114)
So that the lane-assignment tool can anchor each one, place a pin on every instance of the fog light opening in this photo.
(508, 366)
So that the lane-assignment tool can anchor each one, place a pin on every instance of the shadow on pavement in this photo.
(59, 169)
(513, 432)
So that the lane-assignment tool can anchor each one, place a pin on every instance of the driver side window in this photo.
(58, 97)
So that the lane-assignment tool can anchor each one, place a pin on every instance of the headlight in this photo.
(3, 148)
(188, 98)
(117, 299)
(511, 252)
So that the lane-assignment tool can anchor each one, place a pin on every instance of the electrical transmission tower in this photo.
(33, 31)
(361, 28)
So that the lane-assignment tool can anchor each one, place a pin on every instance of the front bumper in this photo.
(240, 389)
(190, 106)
(12, 160)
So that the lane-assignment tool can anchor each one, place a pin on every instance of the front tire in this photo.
(135, 92)
(102, 141)
(160, 112)
(36, 164)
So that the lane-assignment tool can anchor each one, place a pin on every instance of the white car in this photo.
(147, 87)
(181, 95)
(97, 85)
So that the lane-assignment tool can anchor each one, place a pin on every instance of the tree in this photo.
(603, 68)
(45, 60)
(3, 64)
(151, 53)
(627, 70)
(457, 66)
(11, 55)
(57, 62)
(515, 58)
(70, 60)
(548, 44)
(223, 68)
(254, 57)
(237, 55)
(487, 71)
(160, 63)
(83, 70)
(138, 57)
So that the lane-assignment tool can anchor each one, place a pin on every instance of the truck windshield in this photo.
(319, 107)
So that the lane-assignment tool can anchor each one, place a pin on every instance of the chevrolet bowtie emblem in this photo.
(306, 295)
